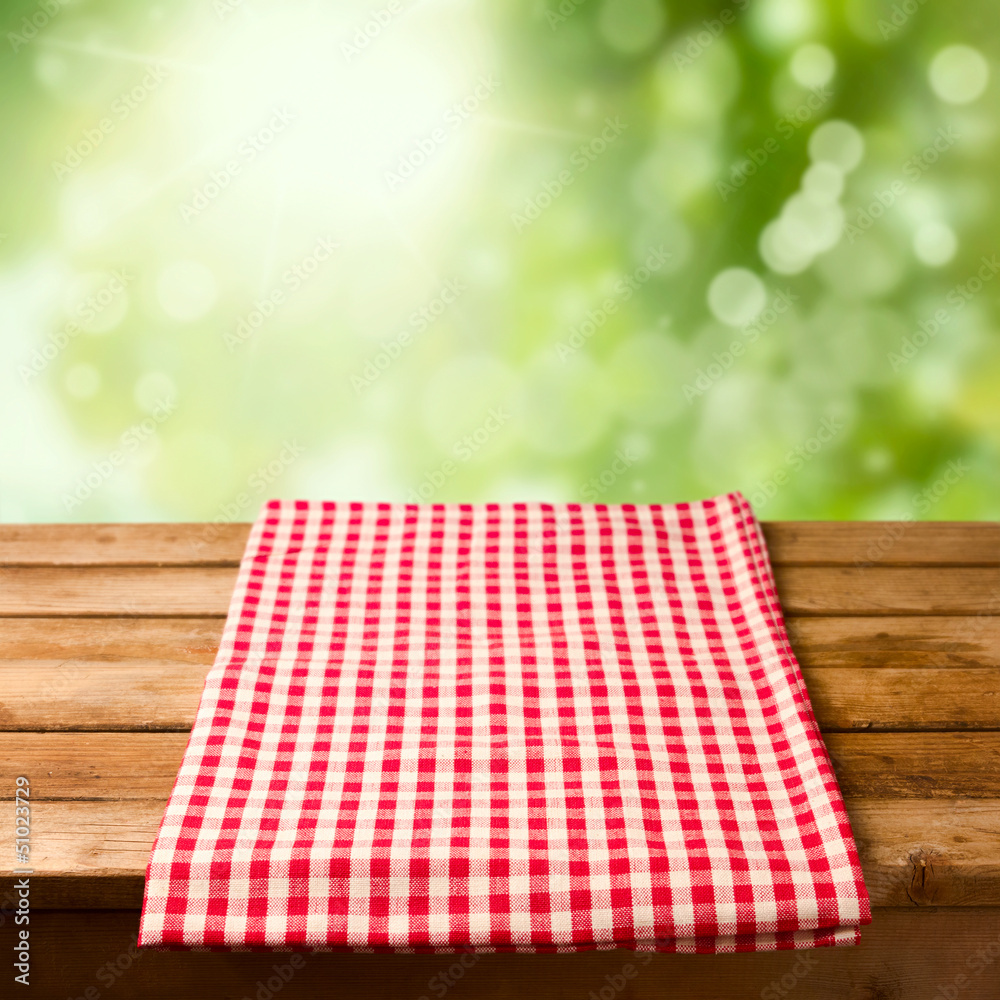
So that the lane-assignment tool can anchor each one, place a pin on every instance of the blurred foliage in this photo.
(610, 250)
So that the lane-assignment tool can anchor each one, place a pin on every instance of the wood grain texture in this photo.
(936, 852)
(108, 631)
(921, 852)
(899, 642)
(883, 543)
(196, 544)
(162, 695)
(844, 543)
(952, 766)
(888, 590)
(171, 591)
(905, 954)
(187, 640)
(100, 695)
(889, 641)
(120, 766)
(891, 700)
(178, 591)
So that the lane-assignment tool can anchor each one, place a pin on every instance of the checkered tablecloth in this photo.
(533, 727)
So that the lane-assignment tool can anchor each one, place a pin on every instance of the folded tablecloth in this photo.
(526, 726)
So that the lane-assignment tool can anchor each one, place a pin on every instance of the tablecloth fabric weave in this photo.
(532, 727)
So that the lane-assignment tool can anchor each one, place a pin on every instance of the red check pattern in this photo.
(527, 727)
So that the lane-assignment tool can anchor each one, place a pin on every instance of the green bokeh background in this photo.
(163, 407)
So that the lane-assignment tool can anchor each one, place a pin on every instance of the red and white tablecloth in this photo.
(523, 726)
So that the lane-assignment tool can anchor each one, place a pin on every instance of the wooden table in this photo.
(106, 633)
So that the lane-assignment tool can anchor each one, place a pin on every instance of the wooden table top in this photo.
(107, 632)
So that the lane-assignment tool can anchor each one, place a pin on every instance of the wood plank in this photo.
(921, 852)
(844, 543)
(936, 852)
(890, 700)
(99, 695)
(118, 591)
(187, 640)
(86, 854)
(900, 642)
(92, 766)
(883, 543)
(119, 766)
(205, 591)
(195, 544)
(954, 766)
(888, 590)
(162, 695)
(905, 954)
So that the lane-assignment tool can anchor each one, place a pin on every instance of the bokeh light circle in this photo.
(778, 251)
(784, 22)
(837, 142)
(812, 65)
(823, 182)
(812, 226)
(959, 74)
(51, 69)
(935, 244)
(736, 296)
